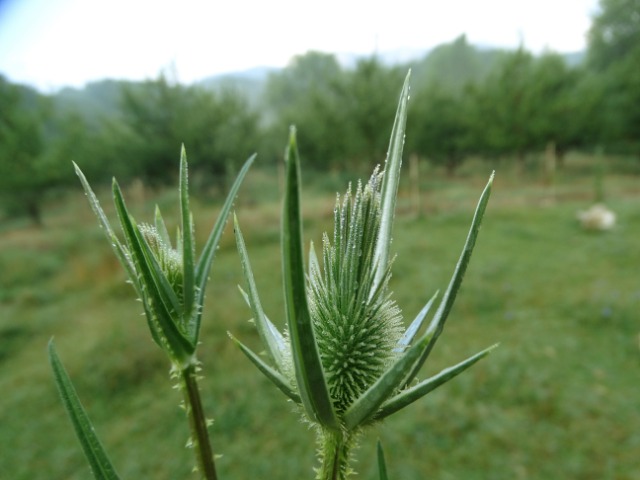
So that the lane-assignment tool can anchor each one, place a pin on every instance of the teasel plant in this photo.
(345, 358)
(170, 284)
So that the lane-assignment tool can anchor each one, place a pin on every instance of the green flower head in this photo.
(356, 323)
(168, 258)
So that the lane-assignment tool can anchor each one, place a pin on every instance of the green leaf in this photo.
(382, 466)
(101, 465)
(188, 242)
(440, 317)
(272, 342)
(413, 329)
(390, 181)
(118, 248)
(418, 391)
(158, 308)
(365, 407)
(203, 267)
(144, 257)
(306, 358)
(276, 377)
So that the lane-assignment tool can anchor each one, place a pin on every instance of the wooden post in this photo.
(550, 162)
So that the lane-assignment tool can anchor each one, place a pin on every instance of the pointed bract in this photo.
(270, 337)
(310, 377)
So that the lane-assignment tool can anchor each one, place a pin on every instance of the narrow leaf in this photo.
(188, 242)
(271, 342)
(440, 317)
(390, 181)
(382, 466)
(276, 377)
(275, 333)
(203, 267)
(118, 248)
(365, 407)
(161, 227)
(418, 391)
(413, 329)
(101, 465)
(172, 340)
(306, 358)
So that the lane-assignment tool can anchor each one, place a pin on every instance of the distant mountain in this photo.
(396, 56)
(453, 63)
(575, 58)
(249, 82)
(94, 101)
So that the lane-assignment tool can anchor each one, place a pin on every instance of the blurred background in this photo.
(545, 93)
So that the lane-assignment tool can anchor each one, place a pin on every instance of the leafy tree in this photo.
(455, 65)
(317, 96)
(564, 105)
(367, 106)
(309, 93)
(439, 127)
(220, 133)
(159, 115)
(504, 106)
(614, 33)
(527, 102)
(153, 111)
(614, 54)
(27, 170)
(311, 72)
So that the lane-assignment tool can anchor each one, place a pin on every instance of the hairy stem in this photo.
(198, 423)
(334, 451)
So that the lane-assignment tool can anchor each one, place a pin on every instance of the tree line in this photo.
(465, 102)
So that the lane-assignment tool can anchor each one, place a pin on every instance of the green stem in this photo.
(334, 449)
(198, 423)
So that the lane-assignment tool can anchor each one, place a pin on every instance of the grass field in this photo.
(560, 397)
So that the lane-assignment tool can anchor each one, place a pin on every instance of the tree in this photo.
(320, 98)
(160, 115)
(309, 93)
(455, 65)
(615, 33)
(564, 105)
(153, 111)
(439, 127)
(366, 106)
(504, 106)
(528, 102)
(27, 170)
(614, 55)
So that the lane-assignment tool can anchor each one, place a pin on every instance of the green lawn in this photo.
(560, 397)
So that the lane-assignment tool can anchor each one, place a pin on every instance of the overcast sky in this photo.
(54, 43)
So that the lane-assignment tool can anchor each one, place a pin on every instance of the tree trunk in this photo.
(34, 211)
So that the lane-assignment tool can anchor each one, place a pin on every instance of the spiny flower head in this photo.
(357, 326)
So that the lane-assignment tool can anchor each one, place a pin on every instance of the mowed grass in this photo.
(558, 399)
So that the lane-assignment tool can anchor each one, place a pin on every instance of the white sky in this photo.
(53, 43)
